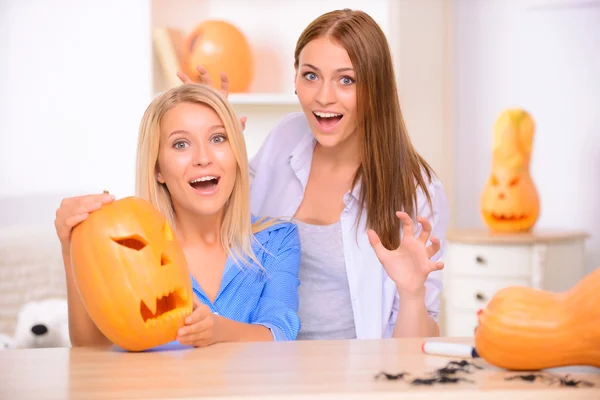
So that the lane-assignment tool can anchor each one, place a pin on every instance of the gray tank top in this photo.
(325, 308)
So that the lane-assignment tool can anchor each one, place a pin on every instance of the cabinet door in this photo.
(489, 261)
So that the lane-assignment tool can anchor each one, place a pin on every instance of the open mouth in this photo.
(169, 304)
(205, 184)
(327, 121)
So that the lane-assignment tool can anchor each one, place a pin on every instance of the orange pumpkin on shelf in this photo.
(522, 328)
(219, 47)
(131, 274)
(510, 201)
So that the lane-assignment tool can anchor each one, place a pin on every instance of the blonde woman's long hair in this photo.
(237, 230)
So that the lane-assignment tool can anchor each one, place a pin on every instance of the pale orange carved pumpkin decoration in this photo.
(510, 201)
(131, 274)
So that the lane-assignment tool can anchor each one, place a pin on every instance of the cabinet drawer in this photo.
(489, 260)
(474, 293)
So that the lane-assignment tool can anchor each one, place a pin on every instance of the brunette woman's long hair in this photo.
(391, 171)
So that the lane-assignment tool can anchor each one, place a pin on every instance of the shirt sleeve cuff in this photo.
(278, 335)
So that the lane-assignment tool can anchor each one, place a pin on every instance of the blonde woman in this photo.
(192, 165)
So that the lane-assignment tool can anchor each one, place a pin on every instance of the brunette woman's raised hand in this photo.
(206, 80)
(409, 265)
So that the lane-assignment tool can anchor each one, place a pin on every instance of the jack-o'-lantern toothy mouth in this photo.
(171, 304)
(508, 217)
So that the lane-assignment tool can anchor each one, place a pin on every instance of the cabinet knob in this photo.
(480, 260)
(480, 296)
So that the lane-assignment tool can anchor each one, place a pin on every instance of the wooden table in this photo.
(294, 370)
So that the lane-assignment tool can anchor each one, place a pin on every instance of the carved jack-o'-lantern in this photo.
(510, 201)
(131, 274)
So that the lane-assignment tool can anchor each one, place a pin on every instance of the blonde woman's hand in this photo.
(207, 80)
(199, 328)
(409, 265)
(74, 210)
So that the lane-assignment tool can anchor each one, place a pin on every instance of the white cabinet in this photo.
(479, 263)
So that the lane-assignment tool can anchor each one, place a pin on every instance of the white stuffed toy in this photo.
(43, 323)
(6, 342)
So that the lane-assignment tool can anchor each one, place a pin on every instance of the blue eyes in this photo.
(180, 145)
(218, 138)
(345, 80)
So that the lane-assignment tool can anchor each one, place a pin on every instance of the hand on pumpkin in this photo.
(408, 265)
(200, 327)
(206, 79)
(74, 210)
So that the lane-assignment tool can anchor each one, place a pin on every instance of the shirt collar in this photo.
(302, 153)
(301, 158)
(355, 193)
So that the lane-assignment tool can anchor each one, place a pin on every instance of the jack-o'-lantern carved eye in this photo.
(494, 180)
(513, 182)
(135, 242)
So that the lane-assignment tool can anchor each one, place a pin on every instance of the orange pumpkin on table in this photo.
(510, 201)
(131, 274)
(522, 328)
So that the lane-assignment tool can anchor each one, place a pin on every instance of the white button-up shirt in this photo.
(279, 174)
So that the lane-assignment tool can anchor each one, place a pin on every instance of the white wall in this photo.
(421, 38)
(74, 80)
(546, 60)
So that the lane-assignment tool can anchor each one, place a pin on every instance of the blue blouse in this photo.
(267, 296)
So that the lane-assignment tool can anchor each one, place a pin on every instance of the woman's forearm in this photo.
(229, 330)
(82, 330)
(413, 319)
